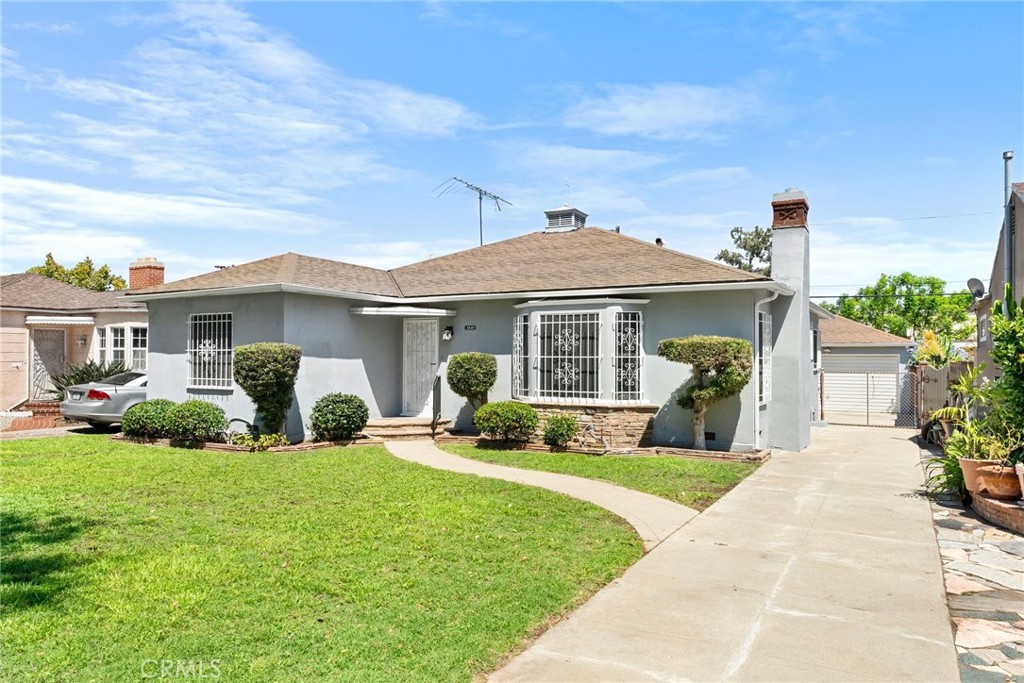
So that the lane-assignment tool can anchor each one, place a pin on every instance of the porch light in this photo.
(447, 333)
(81, 341)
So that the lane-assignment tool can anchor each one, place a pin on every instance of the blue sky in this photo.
(211, 134)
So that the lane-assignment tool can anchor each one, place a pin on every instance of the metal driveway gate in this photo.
(872, 399)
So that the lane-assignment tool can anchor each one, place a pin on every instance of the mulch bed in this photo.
(731, 456)
(361, 440)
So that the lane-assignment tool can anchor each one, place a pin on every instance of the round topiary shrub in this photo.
(336, 417)
(507, 421)
(266, 372)
(471, 375)
(560, 429)
(147, 419)
(195, 421)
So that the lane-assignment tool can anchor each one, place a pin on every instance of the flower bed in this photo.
(361, 440)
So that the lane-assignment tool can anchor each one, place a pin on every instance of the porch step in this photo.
(402, 428)
(41, 408)
(35, 422)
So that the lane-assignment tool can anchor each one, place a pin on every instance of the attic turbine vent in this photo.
(565, 218)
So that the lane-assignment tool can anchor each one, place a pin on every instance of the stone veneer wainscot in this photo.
(621, 426)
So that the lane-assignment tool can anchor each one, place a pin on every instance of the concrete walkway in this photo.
(654, 518)
(821, 566)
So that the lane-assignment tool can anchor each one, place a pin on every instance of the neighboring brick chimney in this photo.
(146, 272)
(789, 209)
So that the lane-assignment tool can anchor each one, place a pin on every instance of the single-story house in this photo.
(1007, 266)
(864, 376)
(45, 325)
(573, 314)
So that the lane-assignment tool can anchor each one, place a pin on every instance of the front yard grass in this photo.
(689, 481)
(338, 564)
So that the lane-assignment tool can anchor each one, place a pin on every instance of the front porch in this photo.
(405, 428)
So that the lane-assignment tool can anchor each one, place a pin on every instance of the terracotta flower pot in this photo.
(972, 480)
(1019, 468)
(1001, 482)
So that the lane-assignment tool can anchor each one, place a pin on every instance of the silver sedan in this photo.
(105, 402)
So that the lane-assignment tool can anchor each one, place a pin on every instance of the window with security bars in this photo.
(569, 356)
(764, 357)
(117, 344)
(627, 356)
(210, 351)
(521, 356)
(139, 344)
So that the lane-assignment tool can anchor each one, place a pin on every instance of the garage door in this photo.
(866, 389)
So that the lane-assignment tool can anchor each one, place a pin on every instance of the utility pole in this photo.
(454, 182)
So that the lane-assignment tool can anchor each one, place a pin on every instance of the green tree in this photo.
(83, 274)
(755, 247)
(722, 366)
(906, 304)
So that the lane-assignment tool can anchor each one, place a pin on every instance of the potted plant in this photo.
(1000, 481)
(965, 438)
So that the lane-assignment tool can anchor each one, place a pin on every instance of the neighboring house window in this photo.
(627, 356)
(983, 328)
(117, 344)
(210, 351)
(578, 357)
(139, 344)
(569, 356)
(101, 345)
(815, 350)
(764, 357)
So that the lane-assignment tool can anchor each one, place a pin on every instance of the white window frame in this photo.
(764, 357)
(605, 353)
(105, 348)
(210, 361)
(143, 349)
(117, 333)
(101, 345)
(983, 328)
(569, 357)
(815, 350)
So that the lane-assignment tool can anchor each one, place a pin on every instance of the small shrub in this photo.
(338, 416)
(195, 421)
(147, 419)
(266, 372)
(471, 375)
(560, 429)
(261, 442)
(83, 373)
(507, 421)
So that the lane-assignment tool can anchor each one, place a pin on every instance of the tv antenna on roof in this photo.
(454, 182)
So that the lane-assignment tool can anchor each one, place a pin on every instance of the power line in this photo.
(886, 296)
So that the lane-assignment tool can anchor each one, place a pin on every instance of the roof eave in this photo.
(907, 344)
(821, 312)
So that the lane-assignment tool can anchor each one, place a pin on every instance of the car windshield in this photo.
(122, 379)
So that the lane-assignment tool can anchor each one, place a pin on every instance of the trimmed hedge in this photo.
(195, 421)
(471, 375)
(336, 417)
(560, 429)
(507, 421)
(266, 372)
(147, 419)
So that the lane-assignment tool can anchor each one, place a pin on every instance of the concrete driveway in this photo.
(821, 566)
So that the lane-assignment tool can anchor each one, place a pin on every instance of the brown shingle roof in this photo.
(845, 331)
(292, 269)
(31, 291)
(588, 258)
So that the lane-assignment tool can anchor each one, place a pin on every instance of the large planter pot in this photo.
(972, 480)
(1000, 482)
(1019, 468)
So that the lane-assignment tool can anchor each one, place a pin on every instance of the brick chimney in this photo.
(146, 272)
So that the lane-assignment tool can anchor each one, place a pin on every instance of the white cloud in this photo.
(723, 175)
(45, 27)
(823, 29)
(579, 159)
(679, 111)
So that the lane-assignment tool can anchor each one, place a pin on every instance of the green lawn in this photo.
(690, 481)
(330, 565)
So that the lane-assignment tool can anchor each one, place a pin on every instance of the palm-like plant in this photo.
(83, 373)
(968, 395)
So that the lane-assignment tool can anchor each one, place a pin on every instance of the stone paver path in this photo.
(984, 573)
(654, 518)
(65, 430)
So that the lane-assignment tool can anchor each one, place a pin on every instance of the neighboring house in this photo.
(46, 325)
(573, 314)
(864, 374)
(983, 306)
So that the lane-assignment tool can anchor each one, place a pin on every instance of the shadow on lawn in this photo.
(32, 571)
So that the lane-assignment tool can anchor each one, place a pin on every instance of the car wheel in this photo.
(98, 426)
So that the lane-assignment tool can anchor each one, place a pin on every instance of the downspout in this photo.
(1007, 237)
(757, 404)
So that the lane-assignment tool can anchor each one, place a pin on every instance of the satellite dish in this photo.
(976, 287)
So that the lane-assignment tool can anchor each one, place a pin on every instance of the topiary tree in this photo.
(471, 375)
(266, 372)
(721, 367)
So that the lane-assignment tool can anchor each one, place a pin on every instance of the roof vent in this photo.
(565, 218)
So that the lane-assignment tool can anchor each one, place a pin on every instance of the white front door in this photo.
(419, 366)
